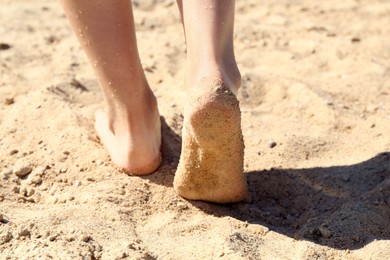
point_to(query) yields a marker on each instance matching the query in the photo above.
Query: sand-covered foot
(137, 150)
(211, 161)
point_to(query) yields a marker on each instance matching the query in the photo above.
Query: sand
(212, 155)
(315, 108)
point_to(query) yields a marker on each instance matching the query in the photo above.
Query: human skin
(129, 125)
(211, 161)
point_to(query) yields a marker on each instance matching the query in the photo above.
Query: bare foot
(211, 161)
(132, 142)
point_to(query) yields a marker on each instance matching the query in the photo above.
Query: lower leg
(129, 127)
(208, 27)
(211, 160)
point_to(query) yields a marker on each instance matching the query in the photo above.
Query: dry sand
(315, 105)
(211, 165)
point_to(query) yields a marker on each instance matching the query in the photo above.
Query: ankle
(133, 114)
(227, 71)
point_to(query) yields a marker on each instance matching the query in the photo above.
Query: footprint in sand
(211, 161)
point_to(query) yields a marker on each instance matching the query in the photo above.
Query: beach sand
(315, 109)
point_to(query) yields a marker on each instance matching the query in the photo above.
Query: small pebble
(23, 191)
(24, 232)
(329, 102)
(66, 152)
(345, 178)
(36, 180)
(51, 39)
(15, 189)
(15, 179)
(52, 238)
(99, 162)
(63, 170)
(85, 238)
(38, 171)
(14, 151)
(123, 255)
(5, 238)
(77, 183)
(47, 234)
(1, 217)
(43, 187)
(63, 158)
(271, 143)
(4, 46)
(22, 168)
(53, 190)
(355, 39)
(30, 192)
(181, 205)
(70, 238)
(325, 232)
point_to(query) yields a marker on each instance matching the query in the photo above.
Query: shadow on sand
(170, 148)
(344, 207)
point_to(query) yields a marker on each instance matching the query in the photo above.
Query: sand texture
(315, 117)
(212, 156)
